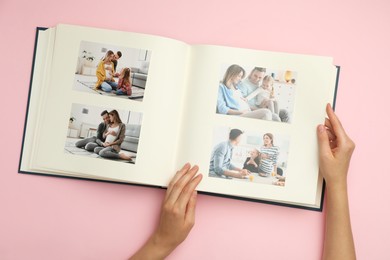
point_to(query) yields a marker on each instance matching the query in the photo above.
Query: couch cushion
(130, 139)
(132, 130)
(140, 76)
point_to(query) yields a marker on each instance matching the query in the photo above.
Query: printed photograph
(105, 133)
(256, 92)
(249, 156)
(112, 70)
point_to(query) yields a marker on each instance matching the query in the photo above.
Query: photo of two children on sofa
(103, 133)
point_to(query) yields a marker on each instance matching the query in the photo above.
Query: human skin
(335, 150)
(177, 215)
(256, 76)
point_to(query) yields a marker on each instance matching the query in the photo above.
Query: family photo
(251, 156)
(104, 133)
(112, 70)
(257, 92)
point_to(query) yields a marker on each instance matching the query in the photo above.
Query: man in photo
(91, 143)
(117, 56)
(230, 100)
(220, 162)
(252, 83)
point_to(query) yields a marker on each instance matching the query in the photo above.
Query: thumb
(323, 141)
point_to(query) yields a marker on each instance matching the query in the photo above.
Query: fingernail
(321, 128)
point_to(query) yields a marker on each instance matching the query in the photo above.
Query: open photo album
(133, 108)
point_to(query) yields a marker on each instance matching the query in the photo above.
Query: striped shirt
(267, 165)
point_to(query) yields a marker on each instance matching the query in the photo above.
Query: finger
(331, 135)
(323, 142)
(328, 124)
(333, 145)
(175, 178)
(335, 122)
(185, 196)
(191, 206)
(178, 187)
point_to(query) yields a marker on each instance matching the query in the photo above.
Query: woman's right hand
(177, 215)
(264, 156)
(335, 149)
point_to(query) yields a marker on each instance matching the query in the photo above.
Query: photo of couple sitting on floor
(249, 156)
(262, 94)
(103, 133)
(111, 70)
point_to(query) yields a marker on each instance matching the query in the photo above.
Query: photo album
(134, 108)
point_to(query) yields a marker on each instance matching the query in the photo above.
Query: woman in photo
(269, 156)
(230, 100)
(105, 73)
(124, 83)
(114, 136)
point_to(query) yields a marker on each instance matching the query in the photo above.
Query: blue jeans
(120, 92)
(108, 86)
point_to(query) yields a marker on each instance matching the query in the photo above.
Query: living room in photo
(110, 70)
(247, 155)
(257, 92)
(106, 133)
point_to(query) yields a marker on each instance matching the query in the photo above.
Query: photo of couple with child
(261, 165)
(106, 71)
(111, 70)
(255, 96)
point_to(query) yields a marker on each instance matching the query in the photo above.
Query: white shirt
(108, 68)
(263, 95)
(242, 103)
(111, 138)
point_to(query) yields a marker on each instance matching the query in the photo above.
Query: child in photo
(252, 162)
(124, 83)
(266, 96)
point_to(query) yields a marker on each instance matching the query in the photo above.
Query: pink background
(55, 218)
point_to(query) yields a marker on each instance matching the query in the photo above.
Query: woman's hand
(106, 144)
(264, 156)
(335, 148)
(177, 215)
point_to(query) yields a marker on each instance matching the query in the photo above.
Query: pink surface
(55, 218)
